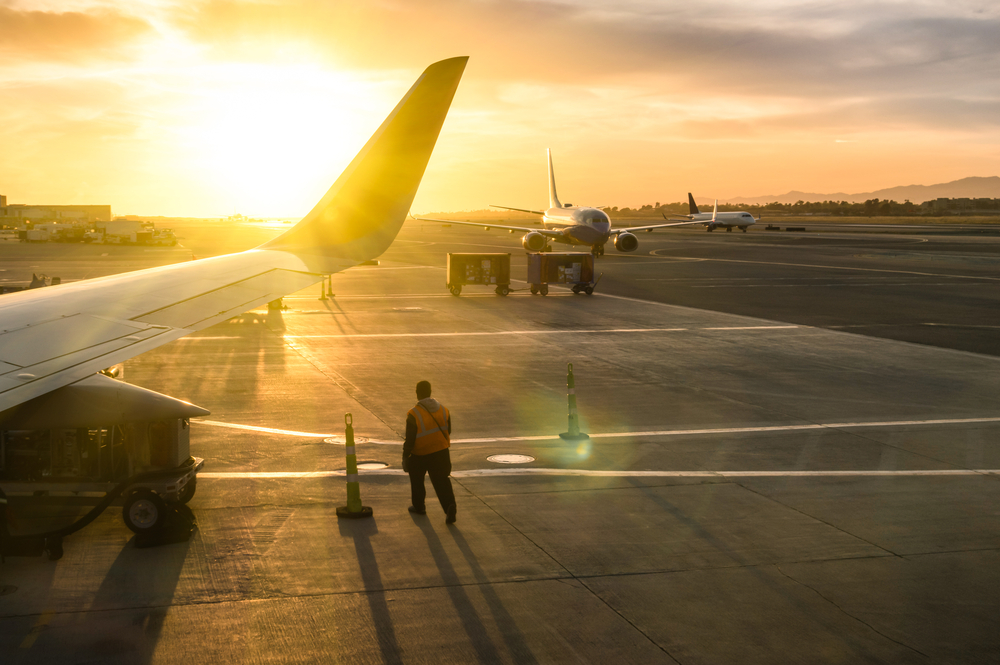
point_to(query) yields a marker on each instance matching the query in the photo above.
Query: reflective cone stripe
(353, 488)
(574, 420)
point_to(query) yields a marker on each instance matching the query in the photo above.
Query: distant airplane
(54, 341)
(569, 224)
(718, 219)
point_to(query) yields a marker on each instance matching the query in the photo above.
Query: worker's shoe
(452, 509)
(417, 511)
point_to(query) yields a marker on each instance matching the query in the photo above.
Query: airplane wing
(650, 227)
(488, 226)
(58, 335)
(533, 212)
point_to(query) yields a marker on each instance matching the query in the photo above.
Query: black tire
(54, 548)
(144, 512)
(187, 493)
(456, 290)
(744, 229)
(729, 229)
(544, 289)
(589, 290)
(503, 290)
(576, 288)
(534, 290)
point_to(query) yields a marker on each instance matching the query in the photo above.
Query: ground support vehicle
(571, 268)
(145, 465)
(486, 269)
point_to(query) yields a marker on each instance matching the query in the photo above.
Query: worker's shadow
(145, 579)
(486, 651)
(361, 532)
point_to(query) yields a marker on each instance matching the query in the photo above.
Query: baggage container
(575, 268)
(485, 269)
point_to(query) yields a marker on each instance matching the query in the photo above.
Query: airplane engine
(534, 242)
(626, 242)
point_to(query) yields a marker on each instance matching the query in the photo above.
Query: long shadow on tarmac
(508, 627)
(473, 625)
(361, 531)
(139, 578)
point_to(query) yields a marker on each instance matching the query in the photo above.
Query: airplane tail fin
(715, 210)
(692, 205)
(360, 215)
(553, 197)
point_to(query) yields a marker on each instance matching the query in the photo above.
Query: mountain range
(973, 188)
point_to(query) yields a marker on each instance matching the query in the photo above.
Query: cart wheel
(544, 289)
(576, 288)
(187, 493)
(503, 290)
(54, 547)
(589, 290)
(534, 290)
(144, 512)
(456, 290)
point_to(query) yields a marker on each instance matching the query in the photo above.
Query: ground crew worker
(428, 435)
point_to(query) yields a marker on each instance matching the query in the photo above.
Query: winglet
(693, 207)
(362, 212)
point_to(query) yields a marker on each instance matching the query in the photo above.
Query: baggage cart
(485, 269)
(572, 268)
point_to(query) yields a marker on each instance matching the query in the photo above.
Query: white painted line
(854, 268)
(538, 332)
(597, 473)
(754, 328)
(491, 333)
(620, 435)
(739, 430)
(269, 430)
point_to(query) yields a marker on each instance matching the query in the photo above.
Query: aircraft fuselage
(579, 225)
(725, 219)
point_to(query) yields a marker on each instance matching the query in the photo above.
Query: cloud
(814, 50)
(68, 37)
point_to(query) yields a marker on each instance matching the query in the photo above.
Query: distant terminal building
(22, 213)
(962, 205)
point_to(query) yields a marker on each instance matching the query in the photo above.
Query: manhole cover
(510, 459)
(7, 589)
(371, 466)
(342, 440)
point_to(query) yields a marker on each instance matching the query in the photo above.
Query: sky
(211, 108)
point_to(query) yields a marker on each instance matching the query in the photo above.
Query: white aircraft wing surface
(650, 227)
(58, 335)
(487, 226)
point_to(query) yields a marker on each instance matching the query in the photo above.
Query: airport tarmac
(777, 470)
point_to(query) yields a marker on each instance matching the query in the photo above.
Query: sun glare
(269, 136)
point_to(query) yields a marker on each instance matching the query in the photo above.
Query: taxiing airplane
(54, 341)
(569, 224)
(717, 219)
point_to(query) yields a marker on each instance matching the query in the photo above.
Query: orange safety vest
(432, 429)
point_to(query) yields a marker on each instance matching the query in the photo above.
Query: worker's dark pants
(438, 466)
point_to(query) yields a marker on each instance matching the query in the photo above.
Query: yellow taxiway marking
(598, 473)
(36, 630)
(621, 435)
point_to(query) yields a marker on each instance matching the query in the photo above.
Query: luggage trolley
(576, 268)
(485, 269)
